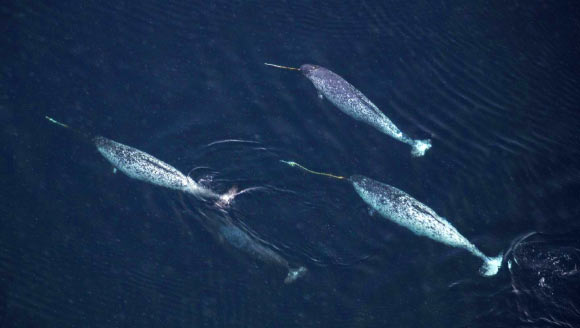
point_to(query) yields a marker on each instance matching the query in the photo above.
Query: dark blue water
(495, 85)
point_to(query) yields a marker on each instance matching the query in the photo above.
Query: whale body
(355, 104)
(142, 166)
(399, 207)
(242, 241)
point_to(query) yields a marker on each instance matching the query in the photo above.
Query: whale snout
(308, 69)
(358, 180)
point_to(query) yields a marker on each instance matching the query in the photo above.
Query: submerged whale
(228, 233)
(397, 206)
(241, 240)
(355, 104)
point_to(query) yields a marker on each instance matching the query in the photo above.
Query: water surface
(494, 85)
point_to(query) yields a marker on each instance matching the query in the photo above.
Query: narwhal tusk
(52, 120)
(294, 164)
(283, 67)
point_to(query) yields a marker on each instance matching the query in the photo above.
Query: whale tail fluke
(420, 147)
(491, 266)
(294, 274)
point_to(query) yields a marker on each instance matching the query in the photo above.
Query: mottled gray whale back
(142, 166)
(355, 104)
(139, 165)
(399, 207)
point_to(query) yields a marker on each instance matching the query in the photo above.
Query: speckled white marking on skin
(142, 166)
(355, 104)
(399, 207)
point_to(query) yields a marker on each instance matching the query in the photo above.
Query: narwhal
(399, 207)
(139, 165)
(355, 104)
(228, 233)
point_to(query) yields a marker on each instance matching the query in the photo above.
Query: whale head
(308, 69)
(359, 180)
(366, 187)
